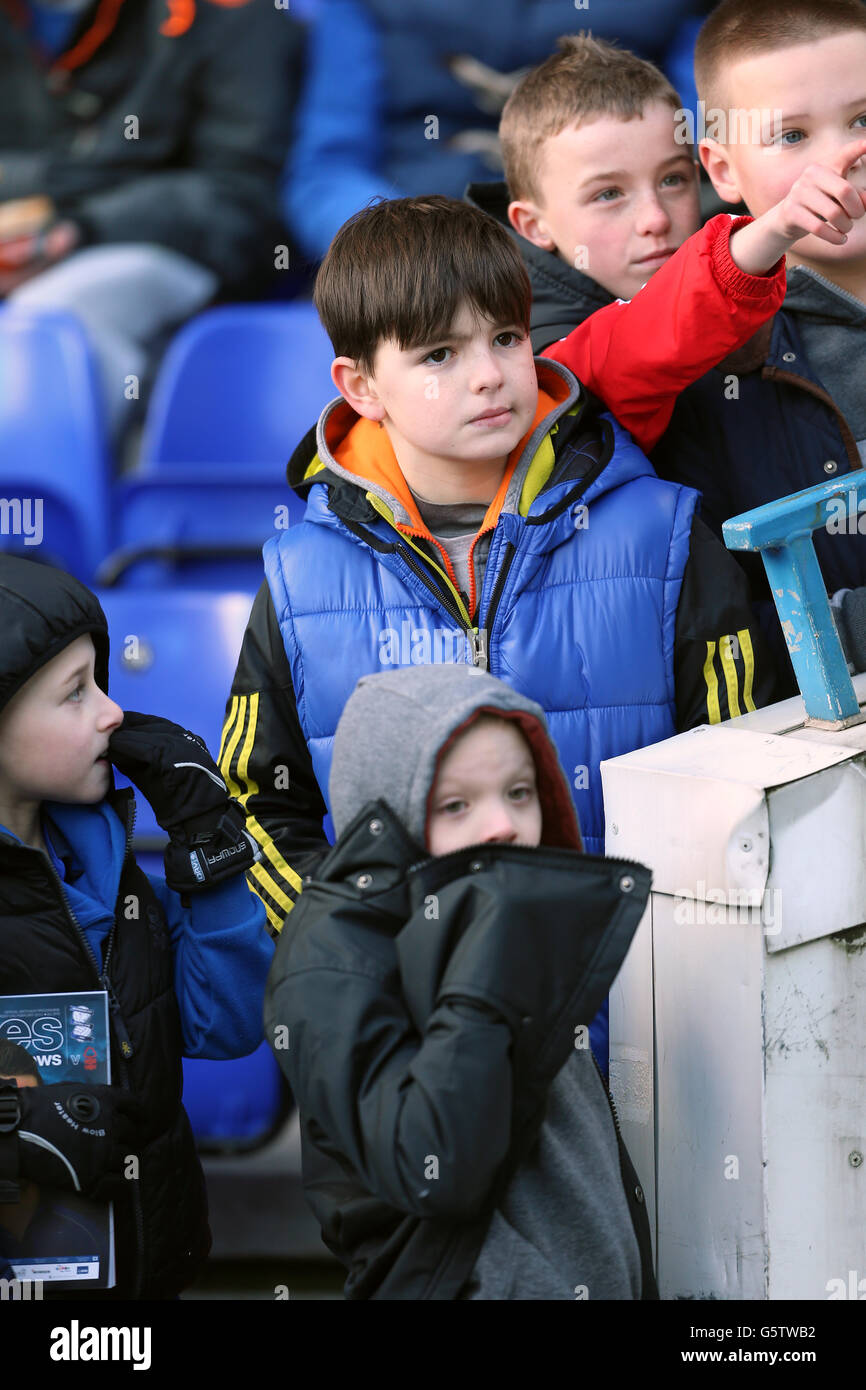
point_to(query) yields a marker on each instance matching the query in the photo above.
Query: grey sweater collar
(812, 294)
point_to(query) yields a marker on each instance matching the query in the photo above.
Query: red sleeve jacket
(638, 355)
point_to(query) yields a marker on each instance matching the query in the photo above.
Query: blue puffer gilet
(584, 624)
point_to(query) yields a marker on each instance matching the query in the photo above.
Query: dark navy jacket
(180, 981)
(758, 427)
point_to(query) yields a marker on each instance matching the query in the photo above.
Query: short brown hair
(586, 77)
(403, 268)
(739, 29)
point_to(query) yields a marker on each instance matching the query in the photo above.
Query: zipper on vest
(120, 1030)
(477, 636)
(137, 1209)
(510, 552)
(451, 608)
(478, 640)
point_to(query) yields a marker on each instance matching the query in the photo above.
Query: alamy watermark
(708, 907)
(21, 1290)
(846, 516)
(22, 516)
(77, 1343)
(418, 646)
(736, 125)
(854, 1287)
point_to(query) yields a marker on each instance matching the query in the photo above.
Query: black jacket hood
(42, 610)
(562, 297)
(403, 981)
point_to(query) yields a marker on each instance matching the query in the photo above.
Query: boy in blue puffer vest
(183, 961)
(468, 503)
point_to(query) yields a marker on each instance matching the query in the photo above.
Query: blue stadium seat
(205, 534)
(174, 653)
(238, 388)
(54, 461)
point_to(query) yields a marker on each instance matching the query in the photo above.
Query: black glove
(848, 607)
(77, 1137)
(209, 840)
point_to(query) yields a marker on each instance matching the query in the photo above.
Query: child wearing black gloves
(429, 1002)
(184, 961)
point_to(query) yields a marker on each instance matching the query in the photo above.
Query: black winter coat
(161, 1230)
(761, 426)
(420, 1008)
(161, 133)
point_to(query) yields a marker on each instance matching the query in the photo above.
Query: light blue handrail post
(782, 532)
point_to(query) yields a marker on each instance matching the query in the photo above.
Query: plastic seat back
(237, 390)
(54, 463)
(182, 530)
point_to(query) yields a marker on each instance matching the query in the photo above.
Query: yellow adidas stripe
(264, 874)
(745, 640)
(263, 888)
(230, 742)
(227, 726)
(730, 674)
(243, 787)
(232, 731)
(243, 764)
(712, 686)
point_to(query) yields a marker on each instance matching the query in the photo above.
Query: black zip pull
(126, 1047)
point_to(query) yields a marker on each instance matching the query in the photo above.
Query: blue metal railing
(782, 532)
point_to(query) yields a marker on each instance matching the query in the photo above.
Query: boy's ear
(716, 161)
(529, 222)
(357, 388)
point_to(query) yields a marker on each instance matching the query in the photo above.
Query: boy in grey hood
(429, 1001)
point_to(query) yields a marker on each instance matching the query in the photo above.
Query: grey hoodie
(397, 724)
(832, 323)
(562, 1230)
